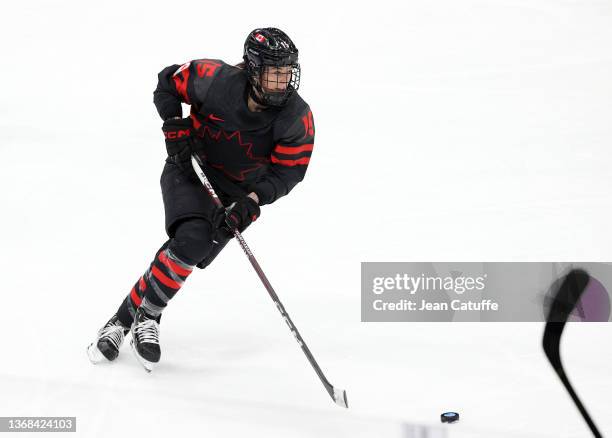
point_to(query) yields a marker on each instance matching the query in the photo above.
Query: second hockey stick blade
(563, 304)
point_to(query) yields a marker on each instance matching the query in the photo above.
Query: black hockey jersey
(266, 152)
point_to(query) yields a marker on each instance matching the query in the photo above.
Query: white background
(446, 131)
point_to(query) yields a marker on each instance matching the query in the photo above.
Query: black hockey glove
(241, 213)
(179, 135)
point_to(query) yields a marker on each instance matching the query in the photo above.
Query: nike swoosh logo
(213, 117)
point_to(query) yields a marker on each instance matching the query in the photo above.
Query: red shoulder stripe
(180, 82)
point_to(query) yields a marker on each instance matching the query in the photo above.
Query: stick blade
(568, 295)
(340, 397)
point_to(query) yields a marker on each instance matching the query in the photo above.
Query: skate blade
(94, 354)
(148, 366)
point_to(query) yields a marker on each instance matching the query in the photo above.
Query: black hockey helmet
(268, 48)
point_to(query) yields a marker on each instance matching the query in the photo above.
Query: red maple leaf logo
(245, 151)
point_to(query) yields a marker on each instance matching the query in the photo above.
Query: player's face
(276, 79)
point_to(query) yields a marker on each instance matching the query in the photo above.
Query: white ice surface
(446, 131)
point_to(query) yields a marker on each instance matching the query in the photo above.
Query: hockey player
(255, 136)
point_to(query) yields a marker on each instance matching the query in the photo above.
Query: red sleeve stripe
(292, 150)
(304, 160)
(180, 82)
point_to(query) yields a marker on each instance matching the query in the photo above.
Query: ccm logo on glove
(177, 134)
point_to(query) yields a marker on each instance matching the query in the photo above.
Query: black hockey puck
(449, 417)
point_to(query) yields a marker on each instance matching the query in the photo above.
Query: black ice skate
(145, 339)
(109, 340)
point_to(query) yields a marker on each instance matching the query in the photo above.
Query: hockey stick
(338, 395)
(562, 306)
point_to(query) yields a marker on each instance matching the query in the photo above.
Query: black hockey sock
(156, 287)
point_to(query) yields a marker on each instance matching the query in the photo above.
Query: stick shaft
(262, 276)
